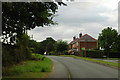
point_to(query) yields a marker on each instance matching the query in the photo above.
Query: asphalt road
(68, 67)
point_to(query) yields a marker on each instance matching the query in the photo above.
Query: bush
(114, 54)
(93, 53)
(8, 55)
(12, 54)
(52, 53)
(99, 54)
(29, 66)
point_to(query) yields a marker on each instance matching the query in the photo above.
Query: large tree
(61, 46)
(107, 39)
(43, 46)
(17, 17)
(117, 44)
(48, 45)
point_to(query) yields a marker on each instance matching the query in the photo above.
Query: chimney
(74, 38)
(80, 35)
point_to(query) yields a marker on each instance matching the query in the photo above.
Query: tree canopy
(48, 45)
(43, 46)
(61, 46)
(107, 39)
(17, 17)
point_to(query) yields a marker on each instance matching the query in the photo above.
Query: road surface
(69, 67)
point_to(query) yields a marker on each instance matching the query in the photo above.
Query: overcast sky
(80, 16)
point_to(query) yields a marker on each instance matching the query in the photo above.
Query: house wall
(88, 45)
(70, 46)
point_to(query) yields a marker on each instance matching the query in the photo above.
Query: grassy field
(29, 69)
(112, 64)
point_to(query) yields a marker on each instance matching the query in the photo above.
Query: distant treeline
(22, 50)
(43, 46)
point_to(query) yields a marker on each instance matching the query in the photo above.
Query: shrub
(52, 53)
(12, 54)
(93, 53)
(99, 54)
(114, 54)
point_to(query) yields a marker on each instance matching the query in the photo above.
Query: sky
(80, 16)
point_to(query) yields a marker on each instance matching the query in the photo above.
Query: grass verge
(111, 64)
(29, 69)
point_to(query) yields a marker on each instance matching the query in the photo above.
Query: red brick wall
(88, 45)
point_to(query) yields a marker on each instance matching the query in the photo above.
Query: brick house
(83, 42)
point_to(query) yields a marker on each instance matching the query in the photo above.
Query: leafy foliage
(117, 44)
(43, 46)
(107, 39)
(94, 53)
(12, 54)
(48, 45)
(22, 16)
(28, 66)
(17, 18)
(61, 46)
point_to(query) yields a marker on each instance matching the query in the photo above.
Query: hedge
(114, 54)
(99, 54)
(93, 53)
(14, 54)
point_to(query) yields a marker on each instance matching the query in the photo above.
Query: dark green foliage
(17, 18)
(114, 54)
(22, 16)
(12, 54)
(43, 46)
(7, 58)
(52, 53)
(34, 66)
(33, 46)
(61, 46)
(117, 44)
(108, 40)
(99, 54)
(47, 45)
(93, 53)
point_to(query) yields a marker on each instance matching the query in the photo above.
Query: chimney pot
(74, 38)
(80, 35)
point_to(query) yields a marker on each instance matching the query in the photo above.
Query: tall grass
(34, 66)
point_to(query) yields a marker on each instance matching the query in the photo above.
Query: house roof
(74, 41)
(84, 38)
(87, 38)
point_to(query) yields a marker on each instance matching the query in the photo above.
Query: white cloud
(86, 17)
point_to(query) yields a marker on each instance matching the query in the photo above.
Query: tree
(48, 44)
(40, 47)
(61, 46)
(17, 17)
(107, 39)
(117, 44)
(33, 45)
